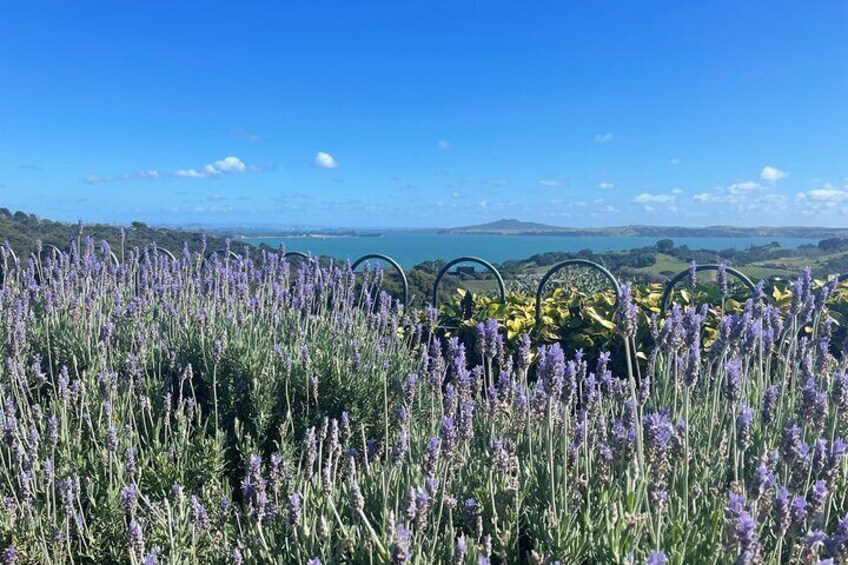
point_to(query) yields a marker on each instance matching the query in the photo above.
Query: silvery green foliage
(245, 411)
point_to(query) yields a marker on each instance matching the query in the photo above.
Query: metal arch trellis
(228, 254)
(467, 259)
(391, 262)
(4, 267)
(159, 250)
(669, 287)
(301, 254)
(568, 263)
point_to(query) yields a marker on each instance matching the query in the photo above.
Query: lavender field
(249, 410)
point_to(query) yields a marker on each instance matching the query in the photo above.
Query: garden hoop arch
(698, 268)
(4, 263)
(396, 267)
(227, 253)
(301, 254)
(467, 259)
(568, 263)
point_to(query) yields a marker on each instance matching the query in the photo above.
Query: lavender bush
(246, 412)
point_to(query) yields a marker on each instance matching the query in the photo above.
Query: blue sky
(378, 114)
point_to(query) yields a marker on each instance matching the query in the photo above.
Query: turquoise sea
(410, 249)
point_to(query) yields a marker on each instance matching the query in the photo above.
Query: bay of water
(410, 249)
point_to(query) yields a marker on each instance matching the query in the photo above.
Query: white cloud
(677, 191)
(772, 174)
(604, 137)
(443, 144)
(742, 187)
(647, 198)
(606, 185)
(483, 203)
(828, 193)
(550, 183)
(709, 197)
(226, 166)
(190, 174)
(139, 175)
(675, 161)
(325, 161)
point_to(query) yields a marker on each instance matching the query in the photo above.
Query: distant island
(518, 227)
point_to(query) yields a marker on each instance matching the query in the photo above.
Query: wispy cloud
(828, 193)
(324, 160)
(674, 161)
(443, 144)
(247, 136)
(650, 201)
(648, 198)
(226, 166)
(604, 137)
(606, 185)
(550, 183)
(743, 187)
(772, 174)
(138, 175)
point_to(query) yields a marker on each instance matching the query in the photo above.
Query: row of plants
(245, 411)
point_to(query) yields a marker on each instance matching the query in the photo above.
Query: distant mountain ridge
(518, 227)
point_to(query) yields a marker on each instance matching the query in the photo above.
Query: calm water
(409, 249)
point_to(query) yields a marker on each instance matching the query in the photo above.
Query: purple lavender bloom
(658, 432)
(798, 511)
(112, 439)
(790, 442)
(743, 427)
(748, 539)
(357, 501)
(523, 358)
(769, 404)
(656, 558)
(721, 278)
(129, 496)
(199, 516)
(53, 430)
(136, 538)
(448, 434)
(460, 549)
(10, 555)
(782, 510)
(764, 480)
(400, 545)
(152, 557)
(431, 455)
(626, 314)
(818, 497)
(693, 364)
(693, 276)
(294, 509)
(733, 380)
(839, 391)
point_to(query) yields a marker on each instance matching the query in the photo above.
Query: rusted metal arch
(491, 268)
(568, 263)
(391, 262)
(669, 287)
